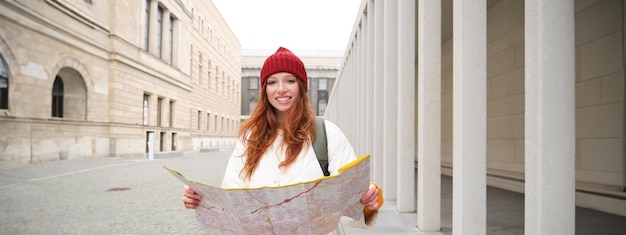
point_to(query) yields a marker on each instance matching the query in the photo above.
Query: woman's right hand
(190, 198)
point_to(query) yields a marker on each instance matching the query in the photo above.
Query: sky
(294, 24)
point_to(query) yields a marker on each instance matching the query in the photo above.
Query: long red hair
(259, 132)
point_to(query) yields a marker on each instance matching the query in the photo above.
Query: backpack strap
(320, 146)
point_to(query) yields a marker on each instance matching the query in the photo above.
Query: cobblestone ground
(104, 196)
(139, 196)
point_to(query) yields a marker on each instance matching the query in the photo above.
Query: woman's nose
(282, 86)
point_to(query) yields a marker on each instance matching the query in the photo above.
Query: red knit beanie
(283, 60)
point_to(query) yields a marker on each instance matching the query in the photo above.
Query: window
(200, 62)
(251, 105)
(238, 93)
(215, 123)
(210, 122)
(4, 85)
(323, 84)
(146, 106)
(172, 113)
(321, 107)
(170, 41)
(208, 118)
(222, 124)
(224, 88)
(159, 29)
(200, 24)
(162, 141)
(208, 78)
(228, 91)
(209, 34)
(146, 18)
(173, 141)
(322, 101)
(217, 70)
(191, 65)
(57, 97)
(159, 110)
(217, 41)
(199, 119)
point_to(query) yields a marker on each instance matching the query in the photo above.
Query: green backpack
(320, 146)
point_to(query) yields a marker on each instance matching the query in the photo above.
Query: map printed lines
(288, 199)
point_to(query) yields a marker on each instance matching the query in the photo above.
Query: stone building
(322, 68)
(83, 78)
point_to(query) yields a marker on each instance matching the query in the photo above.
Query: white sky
(294, 24)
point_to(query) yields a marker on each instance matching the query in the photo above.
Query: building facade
(526, 96)
(322, 68)
(82, 78)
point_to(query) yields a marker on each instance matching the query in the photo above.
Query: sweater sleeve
(235, 164)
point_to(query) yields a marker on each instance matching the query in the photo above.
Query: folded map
(313, 207)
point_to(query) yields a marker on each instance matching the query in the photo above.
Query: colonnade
(387, 100)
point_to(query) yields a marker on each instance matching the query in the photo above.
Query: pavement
(138, 196)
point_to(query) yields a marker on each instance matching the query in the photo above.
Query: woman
(275, 146)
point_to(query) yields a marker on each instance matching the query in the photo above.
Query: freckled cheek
(269, 92)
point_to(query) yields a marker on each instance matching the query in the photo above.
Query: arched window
(4, 85)
(57, 97)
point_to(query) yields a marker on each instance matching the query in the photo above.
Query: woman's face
(282, 91)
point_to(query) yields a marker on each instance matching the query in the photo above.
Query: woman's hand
(370, 198)
(190, 198)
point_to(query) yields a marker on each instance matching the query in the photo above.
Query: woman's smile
(283, 99)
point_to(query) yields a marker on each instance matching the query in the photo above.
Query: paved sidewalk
(138, 196)
(104, 195)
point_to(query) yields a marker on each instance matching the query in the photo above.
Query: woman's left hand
(370, 198)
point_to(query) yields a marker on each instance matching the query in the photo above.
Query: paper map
(313, 207)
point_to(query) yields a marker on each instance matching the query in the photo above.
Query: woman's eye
(291, 81)
(270, 82)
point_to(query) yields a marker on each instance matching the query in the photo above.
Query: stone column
(351, 106)
(406, 106)
(370, 99)
(356, 71)
(549, 118)
(429, 116)
(153, 24)
(362, 76)
(469, 116)
(390, 94)
(379, 51)
(353, 92)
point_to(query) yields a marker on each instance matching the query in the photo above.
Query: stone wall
(99, 53)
